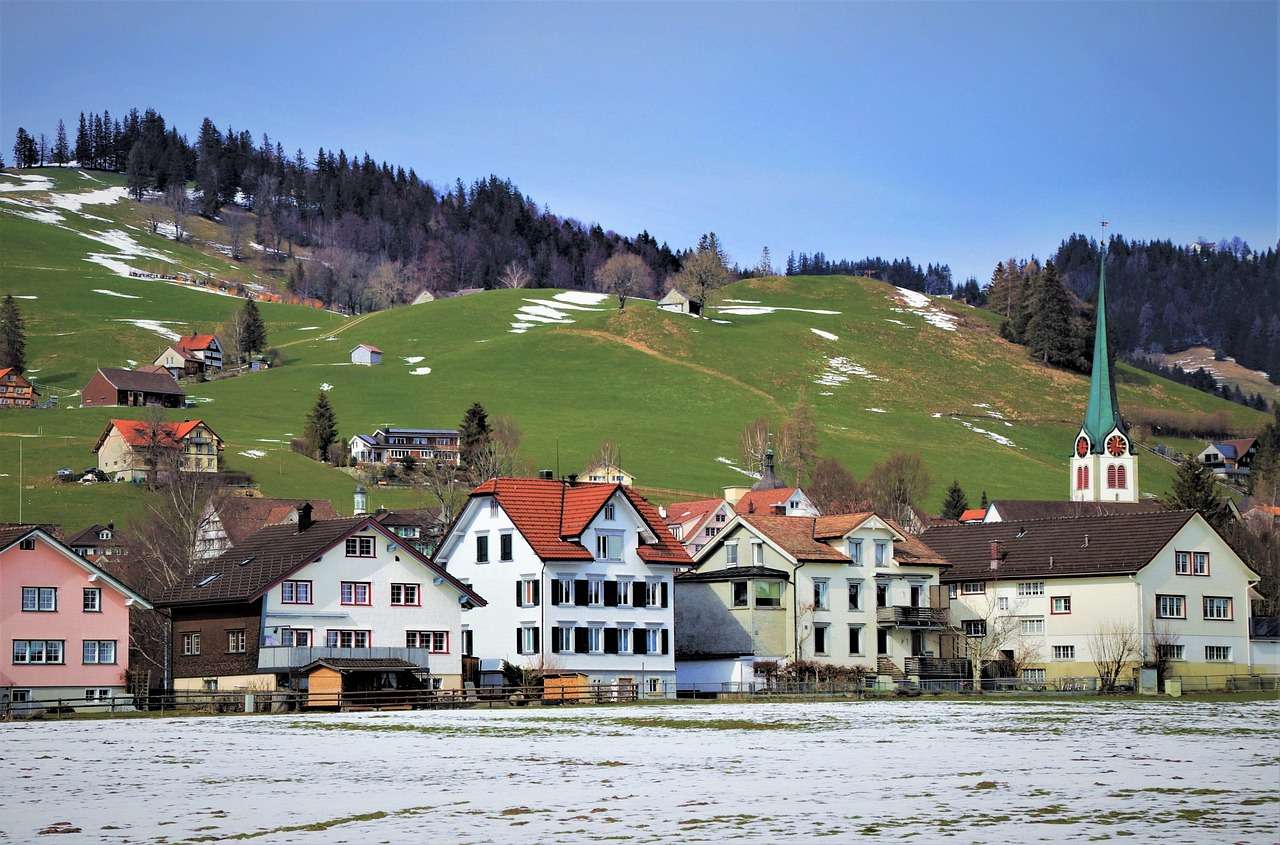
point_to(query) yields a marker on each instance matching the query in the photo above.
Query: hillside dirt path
(350, 324)
(650, 351)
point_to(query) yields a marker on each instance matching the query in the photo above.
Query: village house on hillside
(1043, 591)
(205, 348)
(16, 390)
(393, 445)
(228, 521)
(850, 590)
(607, 473)
(578, 576)
(133, 388)
(130, 450)
(1230, 458)
(677, 303)
(64, 623)
(366, 354)
(177, 363)
(342, 597)
(99, 542)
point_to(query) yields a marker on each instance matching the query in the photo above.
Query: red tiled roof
(684, 511)
(973, 515)
(762, 501)
(549, 513)
(839, 524)
(138, 433)
(794, 535)
(194, 342)
(369, 346)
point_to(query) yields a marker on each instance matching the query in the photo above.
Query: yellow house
(128, 450)
(849, 590)
(1051, 597)
(608, 473)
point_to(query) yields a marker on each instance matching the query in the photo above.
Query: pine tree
(83, 150)
(1195, 489)
(955, 503)
(254, 335)
(13, 336)
(136, 171)
(61, 153)
(1049, 327)
(985, 502)
(475, 433)
(766, 262)
(322, 427)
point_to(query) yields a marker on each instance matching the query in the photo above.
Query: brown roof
(794, 535)
(251, 568)
(551, 515)
(839, 524)
(241, 516)
(762, 501)
(1099, 545)
(147, 382)
(732, 573)
(1017, 510)
(361, 664)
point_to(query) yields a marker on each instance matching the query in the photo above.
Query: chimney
(360, 501)
(304, 516)
(546, 474)
(111, 526)
(995, 555)
(734, 493)
(572, 479)
(1086, 542)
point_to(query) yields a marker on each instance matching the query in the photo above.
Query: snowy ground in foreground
(1160, 771)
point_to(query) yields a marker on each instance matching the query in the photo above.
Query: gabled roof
(762, 501)
(1100, 545)
(248, 570)
(89, 536)
(4, 371)
(973, 515)
(361, 664)
(681, 512)
(426, 518)
(13, 534)
(794, 535)
(368, 346)
(733, 573)
(839, 524)
(673, 297)
(140, 433)
(194, 342)
(1018, 510)
(1233, 449)
(551, 515)
(242, 516)
(184, 354)
(139, 380)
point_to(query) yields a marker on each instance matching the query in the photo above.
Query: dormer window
(609, 512)
(104, 535)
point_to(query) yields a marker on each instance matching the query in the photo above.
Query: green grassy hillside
(673, 391)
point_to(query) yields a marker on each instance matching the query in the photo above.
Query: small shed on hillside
(366, 354)
(677, 302)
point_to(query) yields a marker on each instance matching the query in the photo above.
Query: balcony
(912, 617)
(284, 658)
(936, 667)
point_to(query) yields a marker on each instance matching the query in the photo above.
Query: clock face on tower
(1082, 447)
(1115, 445)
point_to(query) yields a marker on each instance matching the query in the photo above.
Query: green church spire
(1103, 414)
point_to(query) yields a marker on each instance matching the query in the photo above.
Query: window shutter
(580, 641)
(639, 641)
(610, 640)
(537, 592)
(536, 634)
(519, 592)
(610, 593)
(664, 600)
(518, 643)
(580, 591)
(638, 594)
(664, 638)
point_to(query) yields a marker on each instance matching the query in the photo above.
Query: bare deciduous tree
(179, 205)
(608, 454)
(499, 455)
(448, 488)
(896, 484)
(833, 489)
(988, 632)
(798, 442)
(515, 275)
(701, 275)
(1113, 646)
(235, 232)
(1162, 643)
(624, 275)
(753, 443)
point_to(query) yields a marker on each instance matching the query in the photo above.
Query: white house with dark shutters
(580, 577)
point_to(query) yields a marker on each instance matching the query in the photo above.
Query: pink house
(64, 622)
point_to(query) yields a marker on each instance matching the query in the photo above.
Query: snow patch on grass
(758, 310)
(876, 410)
(420, 371)
(108, 292)
(991, 435)
(413, 359)
(28, 182)
(731, 465)
(75, 202)
(837, 371)
(563, 306)
(159, 327)
(326, 386)
(31, 211)
(306, 328)
(922, 306)
(581, 297)
(254, 453)
(822, 334)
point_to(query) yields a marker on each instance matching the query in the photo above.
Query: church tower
(1104, 467)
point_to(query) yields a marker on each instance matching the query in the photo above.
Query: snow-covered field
(928, 771)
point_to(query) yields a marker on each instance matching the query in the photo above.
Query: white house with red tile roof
(205, 348)
(696, 522)
(129, 450)
(578, 576)
(366, 354)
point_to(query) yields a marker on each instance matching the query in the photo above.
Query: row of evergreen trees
(1040, 313)
(934, 279)
(1200, 379)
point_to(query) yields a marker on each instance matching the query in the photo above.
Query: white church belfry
(1104, 467)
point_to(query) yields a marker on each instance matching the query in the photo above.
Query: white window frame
(854, 591)
(1217, 654)
(757, 553)
(1171, 606)
(1030, 588)
(882, 555)
(825, 628)
(1064, 652)
(1032, 627)
(191, 644)
(595, 639)
(595, 592)
(821, 594)
(731, 553)
(624, 639)
(854, 550)
(973, 588)
(607, 542)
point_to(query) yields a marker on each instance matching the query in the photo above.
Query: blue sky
(957, 132)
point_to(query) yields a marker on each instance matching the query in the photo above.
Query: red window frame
(368, 637)
(1122, 477)
(1053, 599)
(373, 546)
(368, 594)
(417, 594)
(311, 592)
(1082, 478)
(1111, 476)
(428, 640)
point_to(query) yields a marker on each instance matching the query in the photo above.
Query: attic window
(27, 544)
(246, 561)
(209, 579)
